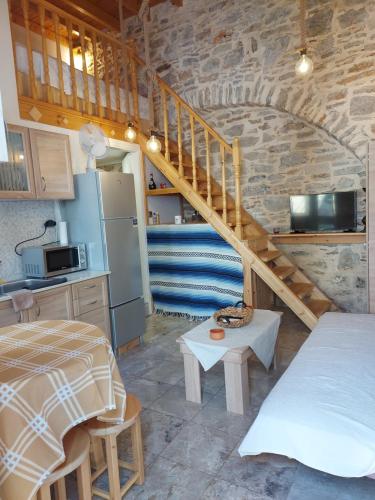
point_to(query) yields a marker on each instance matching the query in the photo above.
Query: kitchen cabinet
(52, 304)
(90, 303)
(52, 165)
(89, 295)
(98, 317)
(16, 174)
(85, 301)
(38, 167)
(8, 316)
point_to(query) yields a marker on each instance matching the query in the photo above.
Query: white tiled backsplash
(20, 220)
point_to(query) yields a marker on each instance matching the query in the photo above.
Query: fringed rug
(193, 271)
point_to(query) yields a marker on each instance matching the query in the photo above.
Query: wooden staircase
(253, 243)
(198, 162)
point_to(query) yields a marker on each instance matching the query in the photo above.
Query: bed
(322, 410)
(23, 67)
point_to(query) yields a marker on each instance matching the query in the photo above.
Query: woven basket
(234, 316)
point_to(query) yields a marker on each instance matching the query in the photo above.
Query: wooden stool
(76, 448)
(109, 432)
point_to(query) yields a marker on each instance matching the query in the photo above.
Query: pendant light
(153, 144)
(130, 133)
(304, 66)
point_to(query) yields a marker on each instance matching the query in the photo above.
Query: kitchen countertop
(71, 278)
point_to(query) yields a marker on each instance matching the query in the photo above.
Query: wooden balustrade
(72, 68)
(193, 154)
(91, 57)
(165, 121)
(42, 17)
(104, 77)
(208, 168)
(179, 139)
(223, 183)
(98, 98)
(237, 177)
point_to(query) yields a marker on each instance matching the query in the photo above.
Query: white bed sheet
(23, 67)
(322, 410)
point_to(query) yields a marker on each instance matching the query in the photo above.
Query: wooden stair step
(185, 164)
(302, 290)
(190, 178)
(269, 255)
(283, 272)
(258, 243)
(219, 206)
(319, 307)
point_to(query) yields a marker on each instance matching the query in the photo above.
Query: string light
(130, 133)
(153, 144)
(304, 66)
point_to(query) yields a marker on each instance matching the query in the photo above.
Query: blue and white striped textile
(193, 271)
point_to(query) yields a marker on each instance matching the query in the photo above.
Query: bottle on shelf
(152, 184)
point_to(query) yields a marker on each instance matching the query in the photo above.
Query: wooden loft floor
(105, 13)
(90, 75)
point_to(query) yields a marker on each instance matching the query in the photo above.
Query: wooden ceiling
(105, 13)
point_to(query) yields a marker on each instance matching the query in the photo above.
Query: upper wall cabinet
(52, 165)
(16, 175)
(39, 166)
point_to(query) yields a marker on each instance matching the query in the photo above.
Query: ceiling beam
(92, 11)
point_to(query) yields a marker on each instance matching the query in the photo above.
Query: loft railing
(63, 61)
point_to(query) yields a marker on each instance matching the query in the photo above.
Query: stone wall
(234, 63)
(218, 53)
(282, 155)
(339, 270)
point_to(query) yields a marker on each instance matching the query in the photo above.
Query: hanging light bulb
(153, 144)
(130, 133)
(304, 65)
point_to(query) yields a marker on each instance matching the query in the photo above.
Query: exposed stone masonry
(234, 62)
(252, 61)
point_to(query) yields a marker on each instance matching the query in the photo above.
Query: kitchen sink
(30, 284)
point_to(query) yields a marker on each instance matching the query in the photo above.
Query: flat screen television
(324, 212)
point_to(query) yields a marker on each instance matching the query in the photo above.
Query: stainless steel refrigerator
(103, 215)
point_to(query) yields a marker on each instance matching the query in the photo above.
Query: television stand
(318, 238)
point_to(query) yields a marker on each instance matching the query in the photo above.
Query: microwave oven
(52, 260)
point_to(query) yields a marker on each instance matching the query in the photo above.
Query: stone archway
(302, 103)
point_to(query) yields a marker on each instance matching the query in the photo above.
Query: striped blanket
(193, 271)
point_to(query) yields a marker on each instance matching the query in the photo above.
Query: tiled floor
(190, 449)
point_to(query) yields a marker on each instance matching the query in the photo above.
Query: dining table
(54, 375)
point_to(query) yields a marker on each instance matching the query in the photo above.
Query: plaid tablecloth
(53, 375)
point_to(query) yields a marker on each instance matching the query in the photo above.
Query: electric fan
(93, 142)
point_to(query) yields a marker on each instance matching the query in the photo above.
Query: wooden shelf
(162, 192)
(318, 238)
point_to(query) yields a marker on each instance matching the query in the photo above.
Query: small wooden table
(235, 370)
(236, 377)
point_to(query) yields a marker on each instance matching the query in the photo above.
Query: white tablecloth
(260, 335)
(322, 410)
